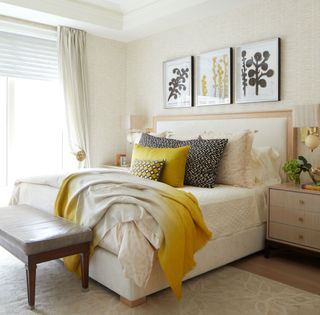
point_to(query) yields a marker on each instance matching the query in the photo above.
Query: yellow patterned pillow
(149, 169)
(175, 158)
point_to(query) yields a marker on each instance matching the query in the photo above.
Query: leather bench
(35, 236)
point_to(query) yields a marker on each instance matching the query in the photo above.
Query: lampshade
(133, 122)
(305, 116)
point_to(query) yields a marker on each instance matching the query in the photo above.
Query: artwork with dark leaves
(177, 82)
(258, 70)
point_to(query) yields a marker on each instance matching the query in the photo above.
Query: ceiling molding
(66, 9)
(122, 20)
(157, 10)
(109, 5)
(123, 6)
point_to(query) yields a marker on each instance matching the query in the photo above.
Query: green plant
(294, 168)
(293, 171)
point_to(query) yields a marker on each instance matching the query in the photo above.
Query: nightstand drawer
(294, 201)
(295, 235)
(299, 218)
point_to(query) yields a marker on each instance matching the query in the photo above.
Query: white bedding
(226, 209)
(229, 209)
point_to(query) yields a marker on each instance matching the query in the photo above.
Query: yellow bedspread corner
(182, 239)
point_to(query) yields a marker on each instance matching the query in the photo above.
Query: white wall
(127, 78)
(296, 22)
(106, 84)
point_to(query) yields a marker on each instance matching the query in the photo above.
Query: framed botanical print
(258, 71)
(214, 77)
(178, 82)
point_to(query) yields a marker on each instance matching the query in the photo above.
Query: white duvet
(226, 210)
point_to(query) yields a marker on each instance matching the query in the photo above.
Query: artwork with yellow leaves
(214, 77)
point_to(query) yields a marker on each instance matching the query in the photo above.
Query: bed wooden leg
(133, 303)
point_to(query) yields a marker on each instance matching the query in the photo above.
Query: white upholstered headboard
(274, 128)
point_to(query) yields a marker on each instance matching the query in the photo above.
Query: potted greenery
(294, 168)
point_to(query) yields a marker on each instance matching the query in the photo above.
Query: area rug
(224, 291)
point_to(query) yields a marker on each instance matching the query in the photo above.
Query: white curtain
(73, 76)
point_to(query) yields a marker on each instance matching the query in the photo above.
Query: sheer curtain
(73, 76)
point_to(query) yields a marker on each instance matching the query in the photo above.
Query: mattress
(226, 209)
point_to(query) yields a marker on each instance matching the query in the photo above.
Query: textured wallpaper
(127, 78)
(106, 84)
(296, 22)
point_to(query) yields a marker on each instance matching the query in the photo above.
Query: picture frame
(178, 82)
(258, 71)
(214, 77)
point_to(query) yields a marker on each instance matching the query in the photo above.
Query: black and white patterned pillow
(203, 158)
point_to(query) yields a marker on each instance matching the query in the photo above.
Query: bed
(235, 215)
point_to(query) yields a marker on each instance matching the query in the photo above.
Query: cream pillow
(266, 165)
(235, 167)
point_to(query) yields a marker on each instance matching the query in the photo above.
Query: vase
(314, 173)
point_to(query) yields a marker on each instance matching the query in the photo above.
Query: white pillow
(137, 135)
(163, 134)
(235, 167)
(184, 137)
(266, 165)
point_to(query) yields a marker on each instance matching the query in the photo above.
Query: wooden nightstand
(293, 218)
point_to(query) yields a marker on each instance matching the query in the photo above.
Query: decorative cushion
(235, 168)
(203, 158)
(266, 164)
(175, 161)
(148, 169)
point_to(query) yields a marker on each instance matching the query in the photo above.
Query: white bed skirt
(106, 269)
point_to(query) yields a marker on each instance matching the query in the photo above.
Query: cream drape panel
(73, 76)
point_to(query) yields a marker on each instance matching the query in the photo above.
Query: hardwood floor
(297, 270)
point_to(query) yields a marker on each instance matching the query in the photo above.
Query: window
(31, 113)
(3, 132)
(34, 127)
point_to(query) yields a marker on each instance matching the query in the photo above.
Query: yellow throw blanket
(85, 198)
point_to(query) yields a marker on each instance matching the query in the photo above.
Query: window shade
(28, 57)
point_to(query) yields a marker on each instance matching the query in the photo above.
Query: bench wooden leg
(85, 269)
(31, 283)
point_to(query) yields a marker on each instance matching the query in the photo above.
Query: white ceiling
(122, 6)
(123, 20)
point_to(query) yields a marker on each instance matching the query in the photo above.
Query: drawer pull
(300, 219)
(301, 237)
(301, 202)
